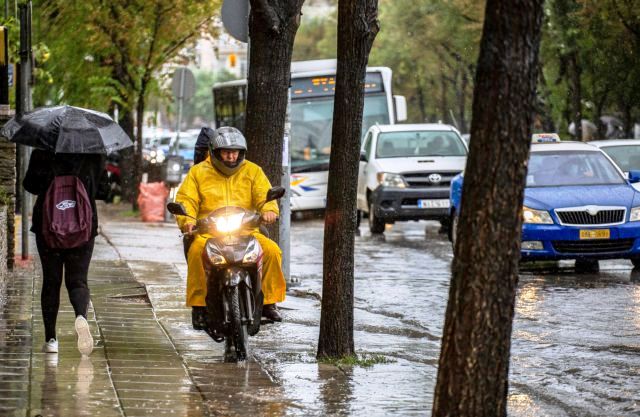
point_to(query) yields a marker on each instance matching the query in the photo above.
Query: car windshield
(187, 142)
(311, 124)
(419, 143)
(626, 156)
(560, 168)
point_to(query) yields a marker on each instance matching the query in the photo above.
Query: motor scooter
(232, 260)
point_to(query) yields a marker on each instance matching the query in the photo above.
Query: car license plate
(428, 204)
(595, 234)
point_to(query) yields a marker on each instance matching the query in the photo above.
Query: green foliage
(5, 197)
(112, 52)
(199, 110)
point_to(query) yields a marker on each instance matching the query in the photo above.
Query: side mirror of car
(363, 157)
(177, 209)
(275, 193)
(634, 177)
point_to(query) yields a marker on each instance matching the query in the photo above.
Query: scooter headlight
(252, 254)
(231, 223)
(214, 257)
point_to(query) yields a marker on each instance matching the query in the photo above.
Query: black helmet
(227, 138)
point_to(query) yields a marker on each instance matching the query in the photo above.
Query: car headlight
(231, 223)
(387, 179)
(536, 216)
(635, 214)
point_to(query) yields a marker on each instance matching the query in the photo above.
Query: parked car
(624, 152)
(578, 205)
(405, 172)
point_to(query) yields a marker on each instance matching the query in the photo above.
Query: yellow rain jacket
(206, 189)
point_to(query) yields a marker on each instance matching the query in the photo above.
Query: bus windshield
(311, 122)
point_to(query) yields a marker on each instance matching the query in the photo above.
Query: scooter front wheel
(239, 335)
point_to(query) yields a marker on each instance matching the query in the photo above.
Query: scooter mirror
(275, 193)
(177, 209)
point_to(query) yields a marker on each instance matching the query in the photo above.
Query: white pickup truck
(405, 172)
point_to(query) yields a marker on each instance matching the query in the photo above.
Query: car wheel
(587, 265)
(376, 226)
(635, 262)
(453, 230)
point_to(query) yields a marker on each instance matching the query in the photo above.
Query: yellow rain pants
(206, 189)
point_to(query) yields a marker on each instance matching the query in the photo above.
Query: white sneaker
(85, 340)
(51, 346)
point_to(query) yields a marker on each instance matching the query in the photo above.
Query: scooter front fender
(234, 276)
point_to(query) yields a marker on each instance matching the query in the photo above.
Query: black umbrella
(67, 129)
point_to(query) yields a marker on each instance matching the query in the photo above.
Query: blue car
(577, 205)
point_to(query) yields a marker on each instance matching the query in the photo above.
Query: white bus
(311, 116)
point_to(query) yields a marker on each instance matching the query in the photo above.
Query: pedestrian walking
(67, 173)
(65, 251)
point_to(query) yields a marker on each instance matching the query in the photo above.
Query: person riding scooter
(226, 178)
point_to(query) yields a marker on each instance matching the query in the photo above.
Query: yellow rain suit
(206, 189)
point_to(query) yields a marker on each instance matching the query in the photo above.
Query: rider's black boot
(199, 318)
(270, 311)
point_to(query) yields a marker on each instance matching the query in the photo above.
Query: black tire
(238, 331)
(358, 218)
(587, 265)
(254, 328)
(635, 262)
(453, 230)
(376, 226)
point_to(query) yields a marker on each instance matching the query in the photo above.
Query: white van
(405, 172)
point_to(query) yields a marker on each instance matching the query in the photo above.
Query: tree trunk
(474, 360)
(462, 102)
(575, 94)
(357, 28)
(272, 29)
(444, 104)
(137, 146)
(127, 178)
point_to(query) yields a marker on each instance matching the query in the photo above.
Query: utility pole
(23, 105)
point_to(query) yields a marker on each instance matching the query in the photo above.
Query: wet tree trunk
(474, 360)
(272, 29)
(358, 26)
(128, 183)
(575, 92)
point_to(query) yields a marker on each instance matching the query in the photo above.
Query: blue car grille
(592, 246)
(581, 217)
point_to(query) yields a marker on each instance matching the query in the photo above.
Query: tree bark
(272, 29)
(575, 92)
(358, 26)
(474, 360)
(127, 160)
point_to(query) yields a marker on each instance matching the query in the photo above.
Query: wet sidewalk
(148, 361)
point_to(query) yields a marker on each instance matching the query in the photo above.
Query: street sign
(235, 18)
(183, 85)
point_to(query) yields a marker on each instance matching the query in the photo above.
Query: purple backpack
(67, 214)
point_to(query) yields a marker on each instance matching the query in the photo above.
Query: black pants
(75, 264)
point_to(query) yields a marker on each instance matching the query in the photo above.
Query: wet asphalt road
(575, 345)
(576, 336)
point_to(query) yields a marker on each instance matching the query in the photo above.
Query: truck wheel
(587, 265)
(376, 226)
(453, 230)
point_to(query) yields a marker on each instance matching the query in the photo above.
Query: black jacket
(43, 166)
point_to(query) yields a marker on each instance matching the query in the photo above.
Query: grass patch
(363, 360)
(130, 213)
